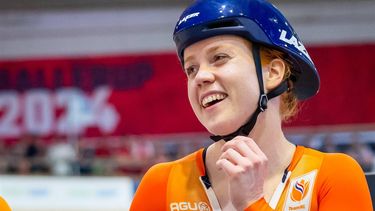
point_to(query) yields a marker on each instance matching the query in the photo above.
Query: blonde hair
(288, 100)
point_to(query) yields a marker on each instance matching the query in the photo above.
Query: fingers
(245, 146)
(237, 159)
(246, 167)
(228, 167)
(240, 155)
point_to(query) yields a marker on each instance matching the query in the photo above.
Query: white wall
(43, 193)
(73, 33)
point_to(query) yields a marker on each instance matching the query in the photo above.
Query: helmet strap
(245, 129)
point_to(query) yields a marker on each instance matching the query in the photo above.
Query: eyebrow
(209, 51)
(188, 58)
(213, 49)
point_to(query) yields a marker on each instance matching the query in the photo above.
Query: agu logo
(300, 189)
(189, 206)
(202, 206)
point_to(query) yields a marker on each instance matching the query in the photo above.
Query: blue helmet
(255, 20)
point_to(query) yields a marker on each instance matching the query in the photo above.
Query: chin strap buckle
(263, 100)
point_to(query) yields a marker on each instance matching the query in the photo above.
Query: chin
(222, 128)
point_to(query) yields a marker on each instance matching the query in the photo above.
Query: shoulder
(158, 174)
(157, 179)
(340, 163)
(333, 162)
(340, 177)
(4, 205)
(162, 170)
(338, 169)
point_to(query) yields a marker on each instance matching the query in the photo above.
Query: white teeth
(207, 100)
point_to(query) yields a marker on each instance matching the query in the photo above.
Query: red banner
(146, 94)
(347, 93)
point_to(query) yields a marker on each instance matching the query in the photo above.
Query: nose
(204, 76)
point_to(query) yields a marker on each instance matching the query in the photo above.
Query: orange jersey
(4, 205)
(315, 181)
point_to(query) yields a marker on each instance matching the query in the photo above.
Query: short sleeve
(151, 192)
(343, 185)
(4, 205)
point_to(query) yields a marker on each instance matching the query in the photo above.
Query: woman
(246, 68)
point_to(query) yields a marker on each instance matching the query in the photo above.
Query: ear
(273, 73)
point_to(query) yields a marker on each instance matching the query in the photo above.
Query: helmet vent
(222, 24)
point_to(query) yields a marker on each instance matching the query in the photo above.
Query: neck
(278, 150)
(269, 137)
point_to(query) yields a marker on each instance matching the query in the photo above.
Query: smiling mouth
(212, 100)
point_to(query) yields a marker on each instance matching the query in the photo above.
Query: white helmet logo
(295, 42)
(184, 19)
